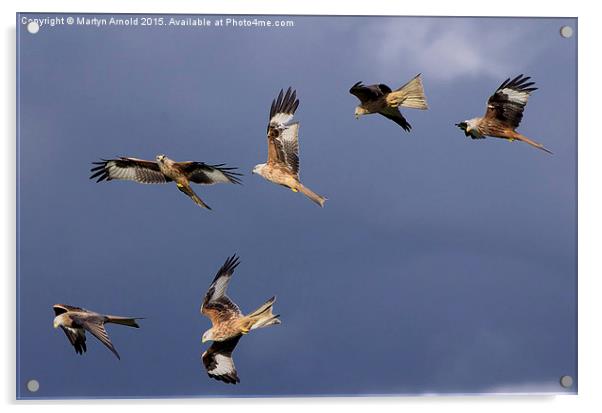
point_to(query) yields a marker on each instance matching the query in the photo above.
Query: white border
(590, 207)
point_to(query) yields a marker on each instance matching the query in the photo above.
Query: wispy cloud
(445, 49)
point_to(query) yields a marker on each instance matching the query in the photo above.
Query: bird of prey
(282, 166)
(165, 170)
(229, 324)
(75, 321)
(381, 99)
(504, 113)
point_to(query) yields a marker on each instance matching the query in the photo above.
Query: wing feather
(205, 174)
(218, 360)
(283, 137)
(286, 144)
(395, 115)
(95, 325)
(369, 93)
(63, 308)
(77, 338)
(507, 104)
(283, 107)
(128, 169)
(290, 145)
(217, 306)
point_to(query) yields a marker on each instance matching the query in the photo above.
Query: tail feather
(411, 95)
(267, 306)
(532, 143)
(273, 320)
(188, 191)
(125, 321)
(263, 316)
(318, 199)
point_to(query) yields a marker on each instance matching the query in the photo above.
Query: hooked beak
(464, 127)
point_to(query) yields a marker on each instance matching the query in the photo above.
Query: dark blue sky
(439, 264)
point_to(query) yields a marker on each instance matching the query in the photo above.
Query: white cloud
(444, 49)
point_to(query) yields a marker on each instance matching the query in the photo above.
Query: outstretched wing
(395, 115)
(287, 146)
(128, 169)
(217, 306)
(369, 93)
(205, 174)
(95, 325)
(506, 105)
(77, 338)
(63, 308)
(283, 137)
(218, 360)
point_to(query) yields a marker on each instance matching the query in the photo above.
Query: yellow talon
(179, 185)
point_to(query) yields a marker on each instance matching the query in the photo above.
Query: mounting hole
(566, 382)
(33, 27)
(33, 385)
(566, 31)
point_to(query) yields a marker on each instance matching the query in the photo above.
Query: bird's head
(465, 127)
(359, 111)
(258, 169)
(161, 158)
(207, 336)
(56, 322)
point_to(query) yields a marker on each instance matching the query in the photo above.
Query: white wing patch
(223, 365)
(134, 173)
(220, 286)
(116, 172)
(516, 96)
(217, 177)
(290, 143)
(280, 119)
(290, 133)
(76, 331)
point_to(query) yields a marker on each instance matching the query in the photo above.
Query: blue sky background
(439, 264)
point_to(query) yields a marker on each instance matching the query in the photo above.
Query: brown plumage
(165, 170)
(75, 321)
(504, 113)
(282, 166)
(381, 99)
(228, 324)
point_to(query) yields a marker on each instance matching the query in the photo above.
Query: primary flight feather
(164, 170)
(384, 101)
(282, 166)
(229, 324)
(504, 113)
(75, 321)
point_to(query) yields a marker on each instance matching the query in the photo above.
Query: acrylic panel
(410, 202)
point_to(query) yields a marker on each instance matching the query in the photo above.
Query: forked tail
(318, 199)
(410, 95)
(263, 316)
